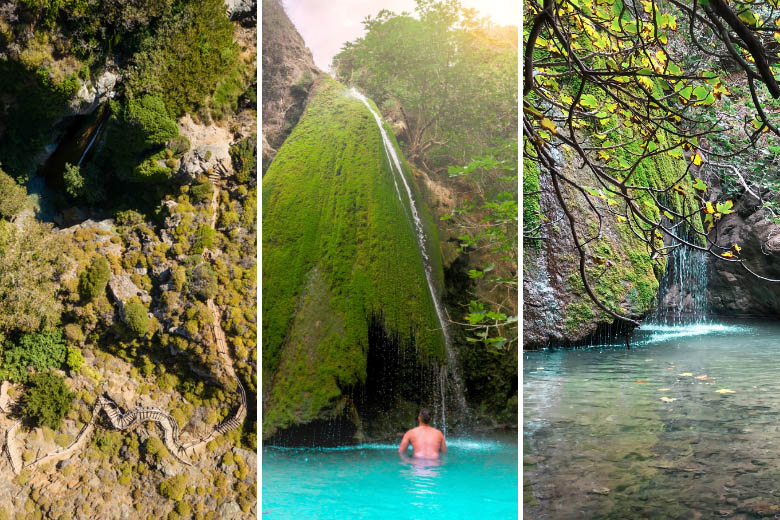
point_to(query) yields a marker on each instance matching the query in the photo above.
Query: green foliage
(187, 57)
(452, 78)
(47, 400)
(202, 192)
(174, 488)
(338, 241)
(149, 122)
(244, 156)
(93, 280)
(13, 198)
(151, 171)
(136, 318)
(39, 350)
(74, 182)
(205, 238)
(74, 359)
(202, 282)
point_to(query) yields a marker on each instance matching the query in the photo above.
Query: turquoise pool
(477, 478)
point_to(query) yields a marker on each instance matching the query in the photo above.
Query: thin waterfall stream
(682, 292)
(397, 170)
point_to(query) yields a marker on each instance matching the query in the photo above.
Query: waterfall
(682, 292)
(397, 172)
(91, 142)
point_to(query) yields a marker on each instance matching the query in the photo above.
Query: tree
(136, 318)
(93, 280)
(48, 400)
(450, 77)
(74, 182)
(618, 87)
(13, 198)
(150, 122)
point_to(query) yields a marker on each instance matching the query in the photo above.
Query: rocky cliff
(288, 74)
(619, 267)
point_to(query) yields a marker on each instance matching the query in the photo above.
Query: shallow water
(477, 478)
(683, 425)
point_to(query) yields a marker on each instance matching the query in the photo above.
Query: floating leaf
(686, 374)
(737, 248)
(725, 391)
(668, 399)
(727, 254)
(664, 389)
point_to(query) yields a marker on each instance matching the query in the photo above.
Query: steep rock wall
(556, 309)
(288, 73)
(339, 249)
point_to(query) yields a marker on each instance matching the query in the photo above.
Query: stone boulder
(123, 289)
(204, 160)
(734, 291)
(93, 93)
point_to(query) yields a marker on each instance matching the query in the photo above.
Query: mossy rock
(338, 246)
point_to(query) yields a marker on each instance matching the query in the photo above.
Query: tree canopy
(622, 85)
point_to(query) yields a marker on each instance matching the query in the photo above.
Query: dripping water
(682, 293)
(397, 172)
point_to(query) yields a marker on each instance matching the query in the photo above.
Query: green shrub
(13, 198)
(136, 318)
(174, 487)
(205, 238)
(40, 351)
(244, 156)
(202, 192)
(47, 400)
(93, 281)
(150, 170)
(74, 360)
(74, 182)
(150, 122)
(202, 282)
(179, 145)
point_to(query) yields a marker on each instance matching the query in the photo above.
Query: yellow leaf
(737, 248)
(696, 159)
(725, 391)
(686, 374)
(668, 399)
(709, 209)
(549, 125)
(727, 254)
(664, 389)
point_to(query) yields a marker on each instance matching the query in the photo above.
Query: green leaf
(588, 101)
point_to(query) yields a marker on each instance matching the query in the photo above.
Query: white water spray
(397, 172)
(91, 142)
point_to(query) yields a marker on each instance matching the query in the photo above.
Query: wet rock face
(734, 291)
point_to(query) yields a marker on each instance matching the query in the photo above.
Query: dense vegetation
(337, 246)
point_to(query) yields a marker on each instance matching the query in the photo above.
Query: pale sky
(326, 25)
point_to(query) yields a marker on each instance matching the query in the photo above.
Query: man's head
(425, 416)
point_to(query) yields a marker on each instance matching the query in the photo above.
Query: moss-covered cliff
(620, 269)
(338, 249)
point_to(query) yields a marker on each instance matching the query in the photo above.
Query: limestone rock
(214, 158)
(122, 289)
(92, 94)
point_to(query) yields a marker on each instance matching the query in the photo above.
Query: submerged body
(426, 441)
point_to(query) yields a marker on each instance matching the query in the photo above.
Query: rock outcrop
(288, 74)
(733, 290)
(621, 272)
(93, 93)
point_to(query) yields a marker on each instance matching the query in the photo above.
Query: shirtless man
(426, 440)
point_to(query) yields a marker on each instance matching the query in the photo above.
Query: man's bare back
(426, 440)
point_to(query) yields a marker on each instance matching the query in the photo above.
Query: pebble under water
(686, 424)
(477, 478)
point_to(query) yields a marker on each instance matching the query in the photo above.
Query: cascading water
(682, 293)
(397, 172)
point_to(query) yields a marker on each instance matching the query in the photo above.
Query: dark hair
(425, 415)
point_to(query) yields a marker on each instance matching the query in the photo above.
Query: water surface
(686, 424)
(477, 478)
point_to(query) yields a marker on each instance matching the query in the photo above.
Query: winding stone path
(123, 421)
